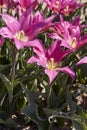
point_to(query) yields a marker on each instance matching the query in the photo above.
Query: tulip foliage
(43, 63)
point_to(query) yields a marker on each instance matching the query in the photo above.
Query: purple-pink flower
(70, 34)
(51, 59)
(63, 6)
(25, 29)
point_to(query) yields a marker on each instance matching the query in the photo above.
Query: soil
(22, 125)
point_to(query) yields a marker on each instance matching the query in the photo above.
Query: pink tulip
(70, 34)
(25, 29)
(63, 6)
(51, 59)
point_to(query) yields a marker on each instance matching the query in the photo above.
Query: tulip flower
(63, 6)
(25, 29)
(51, 59)
(70, 34)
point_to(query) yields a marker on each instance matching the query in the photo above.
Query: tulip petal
(68, 71)
(11, 23)
(33, 59)
(38, 46)
(82, 61)
(54, 36)
(51, 74)
(6, 33)
(20, 44)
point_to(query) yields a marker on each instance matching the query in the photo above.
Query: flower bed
(43, 64)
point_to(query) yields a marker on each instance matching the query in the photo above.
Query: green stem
(49, 91)
(8, 7)
(48, 97)
(13, 64)
(49, 88)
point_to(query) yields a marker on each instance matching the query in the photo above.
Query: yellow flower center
(24, 9)
(73, 42)
(21, 36)
(51, 64)
(66, 10)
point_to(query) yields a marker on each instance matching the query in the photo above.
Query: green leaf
(71, 103)
(34, 86)
(31, 111)
(10, 123)
(5, 68)
(9, 87)
(53, 99)
(2, 97)
(79, 120)
(6, 81)
(3, 115)
(30, 95)
(77, 126)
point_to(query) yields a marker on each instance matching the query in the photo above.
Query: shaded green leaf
(31, 111)
(8, 85)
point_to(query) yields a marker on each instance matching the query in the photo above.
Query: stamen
(57, 3)
(51, 64)
(21, 36)
(73, 42)
(66, 10)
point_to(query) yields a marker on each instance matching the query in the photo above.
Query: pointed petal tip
(82, 61)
